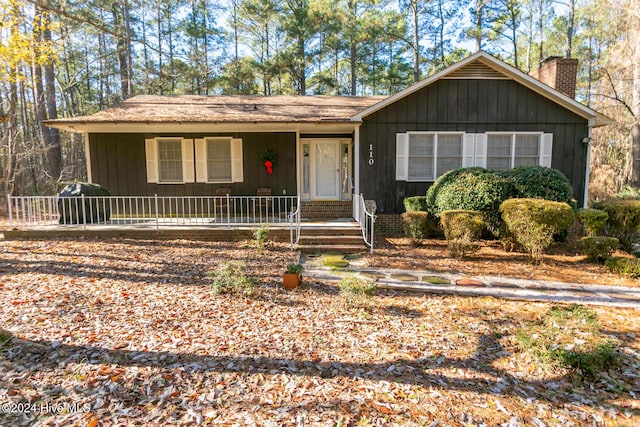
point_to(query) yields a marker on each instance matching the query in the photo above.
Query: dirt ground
(125, 332)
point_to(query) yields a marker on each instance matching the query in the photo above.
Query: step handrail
(365, 218)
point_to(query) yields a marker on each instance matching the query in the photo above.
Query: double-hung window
(219, 160)
(424, 156)
(169, 160)
(510, 150)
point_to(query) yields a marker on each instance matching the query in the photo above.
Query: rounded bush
(594, 221)
(415, 204)
(539, 182)
(533, 222)
(462, 224)
(623, 221)
(599, 248)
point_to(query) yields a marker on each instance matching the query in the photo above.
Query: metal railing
(229, 211)
(365, 218)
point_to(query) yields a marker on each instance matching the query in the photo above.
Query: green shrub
(594, 221)
(539, 182)
(462, 228)
(599, 248)
(533, 222)
(629, 267)
(461, 223)
(260, 236)
(623, 222)
(229, 278)
(473, 189)
(415, 226)
(415, 204)
(629, 193)
(484, 190)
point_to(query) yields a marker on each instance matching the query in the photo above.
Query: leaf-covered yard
(125, 332)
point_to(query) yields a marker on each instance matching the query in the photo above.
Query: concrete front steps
(340, 236)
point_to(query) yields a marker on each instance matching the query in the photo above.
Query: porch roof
(193, 111)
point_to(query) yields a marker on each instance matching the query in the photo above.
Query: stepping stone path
(458, 284)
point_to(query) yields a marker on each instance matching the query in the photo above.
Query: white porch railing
(365, 218)
(228, 211)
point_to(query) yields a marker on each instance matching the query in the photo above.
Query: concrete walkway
(495, 286)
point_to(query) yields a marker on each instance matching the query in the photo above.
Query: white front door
(325, 169)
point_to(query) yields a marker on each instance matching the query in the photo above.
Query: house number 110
(371, 160)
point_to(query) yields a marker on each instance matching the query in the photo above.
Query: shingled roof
(150, 109)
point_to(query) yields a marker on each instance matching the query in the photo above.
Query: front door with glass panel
(326, 168)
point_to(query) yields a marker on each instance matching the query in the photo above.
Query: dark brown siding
(118, 163)
(473, 106)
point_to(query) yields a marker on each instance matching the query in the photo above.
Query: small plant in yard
(356, 291)
(593, 221)
(415, 226)
(260, 236)
(599, 248)
(568, 338)
(629, 267)
(5, 336)
(230, 278)
(294, 268)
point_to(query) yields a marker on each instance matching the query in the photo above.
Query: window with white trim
(169, 160)
(427, 155)
(219, 160)
(424, 156)
(510, 150)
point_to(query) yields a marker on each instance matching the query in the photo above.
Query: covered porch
(185, 217)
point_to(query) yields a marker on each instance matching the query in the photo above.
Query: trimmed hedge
(594, 221)
(539, 182)
(623, 222)
(415, 204)
(462, 228)
(533, 222)
(599, 248)
(415, 226)
(484, 190)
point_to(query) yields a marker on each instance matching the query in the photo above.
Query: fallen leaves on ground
(562, 263)
(126, 332)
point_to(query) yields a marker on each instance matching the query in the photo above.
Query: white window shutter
(187, 160)
(481, 150)
(402, 156)
(202, 174)
(236, 160)
(151, 154)
(546, 150)
(468, 149)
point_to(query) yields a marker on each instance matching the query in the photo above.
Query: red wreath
(268, 158)
(268, 164)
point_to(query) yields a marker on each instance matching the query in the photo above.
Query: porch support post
(587, 173)
(87, 155)
(356, 160)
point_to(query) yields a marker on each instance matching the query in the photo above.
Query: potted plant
(291, 276)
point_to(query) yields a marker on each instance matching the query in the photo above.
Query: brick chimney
(559, 73)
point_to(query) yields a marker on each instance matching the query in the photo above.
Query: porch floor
(203, 230)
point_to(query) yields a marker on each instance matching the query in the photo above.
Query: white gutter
(587, 173)
(87, 155)
(356, 160)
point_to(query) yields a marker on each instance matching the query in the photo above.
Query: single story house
(479, 111)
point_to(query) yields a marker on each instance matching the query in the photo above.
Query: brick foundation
(326, 209)
(388, 225)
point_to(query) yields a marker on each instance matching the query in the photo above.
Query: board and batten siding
(118, 163)
(471, 106)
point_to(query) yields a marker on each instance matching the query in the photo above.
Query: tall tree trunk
(413, 4)
(635, 130)
(120, 14)
(570, 22)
